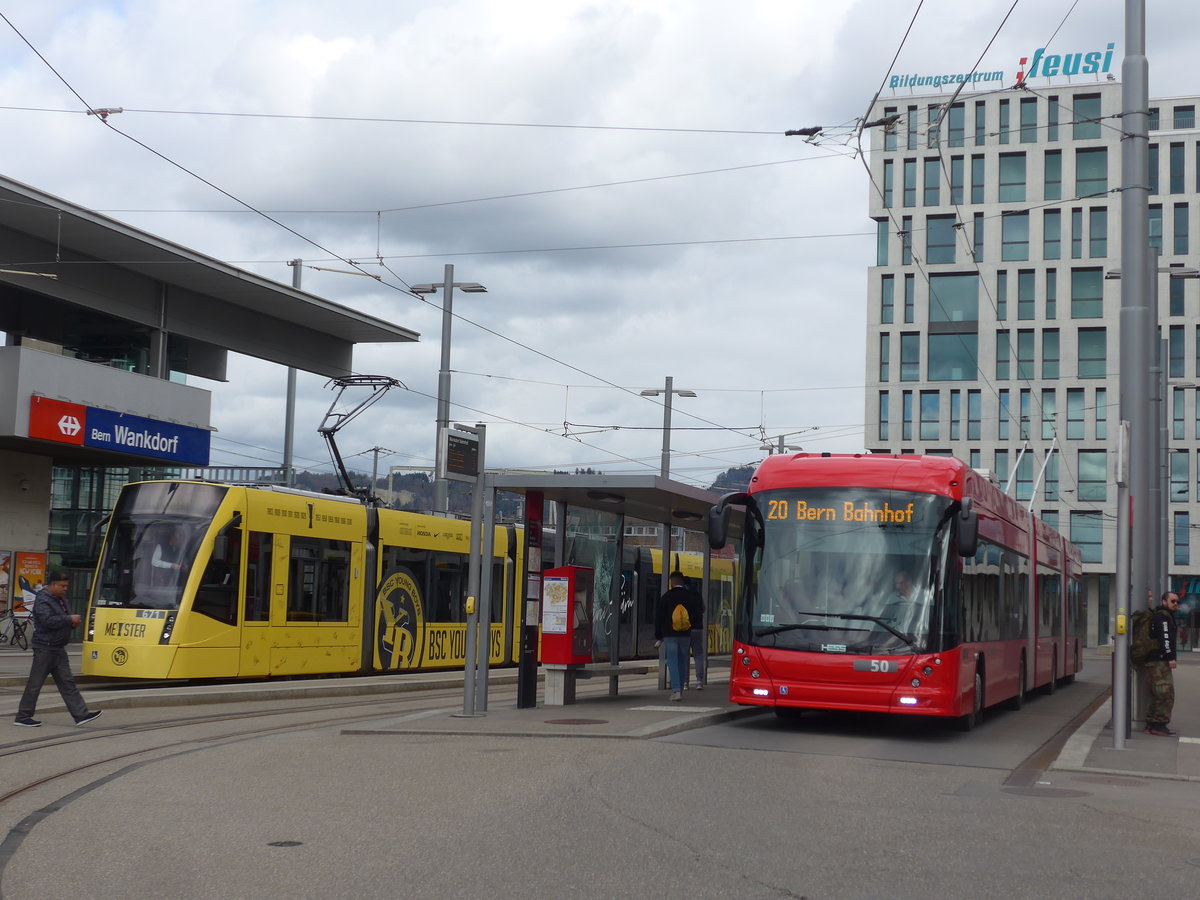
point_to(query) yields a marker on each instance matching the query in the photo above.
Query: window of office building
(1003, 414)
(930, 415)
(1093, 475)
(887, 299)
(1052, 234)
(933, 182)
(1050, 491)
(1101, 408)
(910, 356)
(1093, 353)
(1152, 165)
(980, 123)
(906, 241)
(1050, 353)
(1051, 293)
(1049, 413)
(1005, 116)
(977, 170)
(1154, 226)
(1087, 533)
(1086, 117)
(911, 128)
(974, 415)
(888, 182)
(889, 133)
(1002, 355)
(910, 299)
(1014, 236)
(1026, 414)
(1075, 414)
(1175, 350)
(1077, 234)
(956, 180)
(1052, 118)
(881, 242)
(1053, 175)
(1087, 293)
(957, 124)
(954, 298)
(1175, 162)
(1178, 412)
(1012, 177)
(940, 237)
(977, 245)
(955, 415)
(933, 118)
(1175, 295)
(1152, 121)
(1180, 476)
(1024, 486)
(975, 458)
(883, 415)
(1025, 354)
(1181, 228)
(953, 357)
(1001, 295)
(906, 412)
(1182, 542)
(1185, 117)
(910, 182)
(1026, 300)
(1091, 172)
(1029, 134)
(1001, 466)
(1098, 232)
(885, 356)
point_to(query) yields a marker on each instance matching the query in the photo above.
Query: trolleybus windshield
(844, 570)
(150, 548)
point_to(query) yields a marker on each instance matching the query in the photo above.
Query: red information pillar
(568, 595)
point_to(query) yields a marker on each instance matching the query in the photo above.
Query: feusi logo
(1044, 64)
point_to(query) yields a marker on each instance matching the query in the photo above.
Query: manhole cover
(577, 721)
(1049, 793)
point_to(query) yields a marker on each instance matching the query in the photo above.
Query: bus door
(261, 585)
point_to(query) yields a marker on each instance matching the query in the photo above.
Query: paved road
(430, 805)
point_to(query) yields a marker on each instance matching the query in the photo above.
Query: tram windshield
(150, 548)
(844, 570)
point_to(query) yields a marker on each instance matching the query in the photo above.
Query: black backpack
(1141, 641)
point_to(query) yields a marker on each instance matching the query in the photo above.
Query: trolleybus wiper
(776, 629)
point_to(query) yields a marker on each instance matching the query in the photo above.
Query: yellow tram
(204, 581)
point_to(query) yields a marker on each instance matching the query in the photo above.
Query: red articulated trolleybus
(895, 584)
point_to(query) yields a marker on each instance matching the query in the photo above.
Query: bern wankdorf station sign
(103, 429)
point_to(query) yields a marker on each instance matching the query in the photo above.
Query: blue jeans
(677, 659)
(698, 643)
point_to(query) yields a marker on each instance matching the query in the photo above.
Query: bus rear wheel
(1018, 701)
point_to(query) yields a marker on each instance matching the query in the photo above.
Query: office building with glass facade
(994, 301)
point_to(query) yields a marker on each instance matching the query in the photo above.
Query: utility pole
(289, 418)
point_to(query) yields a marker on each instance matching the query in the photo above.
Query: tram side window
(258, 577)
(318, 580)
(449, 588)
(218, 592)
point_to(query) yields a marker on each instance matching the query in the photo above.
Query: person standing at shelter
(1159, 663)
(697, 641)
(673, 629)
(52, 624)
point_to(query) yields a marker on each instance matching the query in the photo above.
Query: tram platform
(641, 711)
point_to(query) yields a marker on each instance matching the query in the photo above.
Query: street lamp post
(665, 469)
(441, 487)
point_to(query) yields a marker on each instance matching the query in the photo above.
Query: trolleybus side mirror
(968, 529)
(718, 518)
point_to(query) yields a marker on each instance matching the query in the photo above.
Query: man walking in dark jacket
(673, 629)
(1159, 663)
(52, 624)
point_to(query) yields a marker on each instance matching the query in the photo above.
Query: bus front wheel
(975, 716)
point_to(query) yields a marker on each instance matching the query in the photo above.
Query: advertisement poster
(29, 571)
(5, 579)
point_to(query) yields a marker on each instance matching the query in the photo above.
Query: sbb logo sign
(56, 420)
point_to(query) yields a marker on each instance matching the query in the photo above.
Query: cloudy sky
(614, 171)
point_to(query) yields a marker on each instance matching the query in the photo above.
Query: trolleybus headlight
(761, 692)
(745, 660)
(928, 670)
(754, 673)
(908, 701)
(937, 660)
(916, 682)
